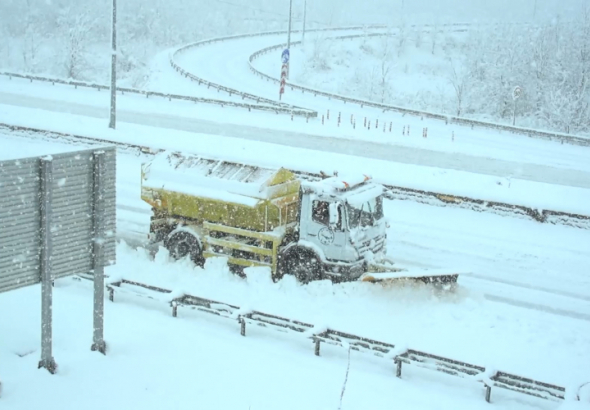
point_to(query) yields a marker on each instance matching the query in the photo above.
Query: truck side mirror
(334, 215)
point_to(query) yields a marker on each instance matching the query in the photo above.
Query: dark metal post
(488, 393)
(99, 238)
(242, 326)
(113, 120)
(398, 368)
(47, 361)
(317, 347)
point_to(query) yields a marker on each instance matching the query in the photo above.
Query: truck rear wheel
(302, 264)
(181, 244)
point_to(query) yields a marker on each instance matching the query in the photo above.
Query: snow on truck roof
(354, 189)
(215, 179)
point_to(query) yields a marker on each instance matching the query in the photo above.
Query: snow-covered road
(568, 165)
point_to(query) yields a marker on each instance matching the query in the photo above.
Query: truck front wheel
(302, 264)
(181, 244)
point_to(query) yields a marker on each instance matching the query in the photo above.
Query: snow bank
(461, 326)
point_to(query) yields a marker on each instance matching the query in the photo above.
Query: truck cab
(342, 229)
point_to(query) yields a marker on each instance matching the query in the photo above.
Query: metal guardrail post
(242, 326)
(488, 393)
(47, 361)
(398, 368)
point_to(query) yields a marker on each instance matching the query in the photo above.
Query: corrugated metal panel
(19, 222)
(71, 219)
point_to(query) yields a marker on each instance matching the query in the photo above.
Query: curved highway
(227, 63)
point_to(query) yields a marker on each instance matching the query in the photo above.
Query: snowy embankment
(508, 188)
(464, 326)
(155, 360)
(470, 74)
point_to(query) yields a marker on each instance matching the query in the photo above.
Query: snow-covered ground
(156, 361)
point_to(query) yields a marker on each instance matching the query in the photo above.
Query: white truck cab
(342, 229)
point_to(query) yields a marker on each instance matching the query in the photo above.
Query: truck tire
(301, 263)
(181, 244)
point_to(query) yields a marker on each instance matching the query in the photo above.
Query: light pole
(113, 120)
(289, 34)
(304, 17)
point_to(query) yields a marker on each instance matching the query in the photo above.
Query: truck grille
(374, 245)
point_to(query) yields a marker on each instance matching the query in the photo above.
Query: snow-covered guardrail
(532, 133)
(259, 107)
(233, 91)
(394, 354)
(393, 192)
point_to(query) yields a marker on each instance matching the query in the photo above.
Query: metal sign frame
(58, 218)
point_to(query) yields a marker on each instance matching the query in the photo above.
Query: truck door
(330, 237)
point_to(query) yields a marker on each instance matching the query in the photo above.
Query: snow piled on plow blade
(437, 276)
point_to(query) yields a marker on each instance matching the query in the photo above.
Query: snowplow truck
(332, 228)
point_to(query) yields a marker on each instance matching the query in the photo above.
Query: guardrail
(480, 205)
(233, 91)
(532, 133)
(390, 352)
(393, 192)
(286, 109)
(258, 99)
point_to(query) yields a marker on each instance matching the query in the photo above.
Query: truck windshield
(365, 214)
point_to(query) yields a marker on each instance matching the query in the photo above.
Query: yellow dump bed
(232, 194)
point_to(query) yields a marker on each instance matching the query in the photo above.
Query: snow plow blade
(438, 278)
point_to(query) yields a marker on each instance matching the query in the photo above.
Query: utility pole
(113, 119)
(304, 17)
(289, 33)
